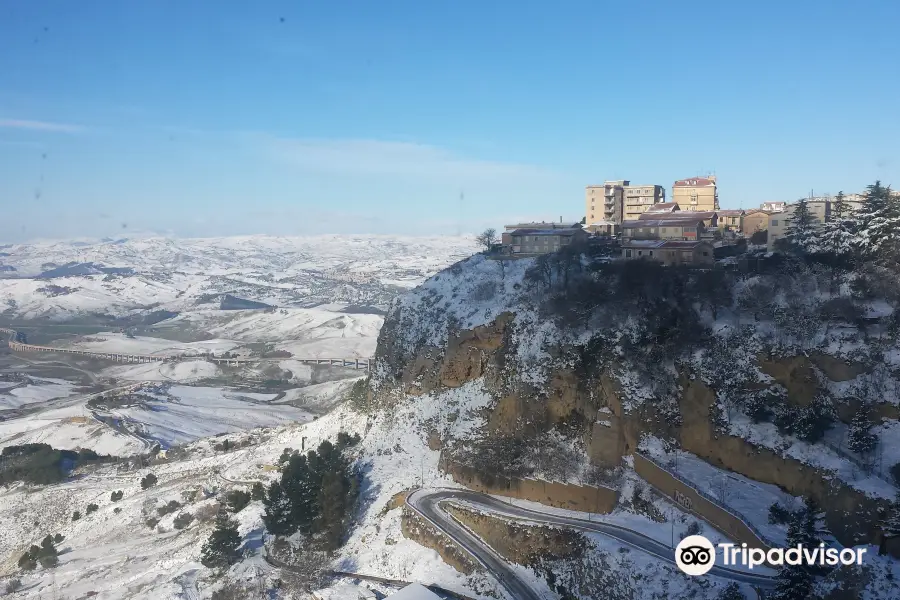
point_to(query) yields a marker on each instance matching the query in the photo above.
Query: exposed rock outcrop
(517, 542)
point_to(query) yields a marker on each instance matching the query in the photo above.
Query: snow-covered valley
(478, 369)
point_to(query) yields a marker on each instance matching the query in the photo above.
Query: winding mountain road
(427, 504)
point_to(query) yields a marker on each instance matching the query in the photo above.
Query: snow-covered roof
(415, 591)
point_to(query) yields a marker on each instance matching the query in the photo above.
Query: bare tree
(487, 239)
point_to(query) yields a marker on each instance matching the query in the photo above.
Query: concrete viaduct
(363, 364)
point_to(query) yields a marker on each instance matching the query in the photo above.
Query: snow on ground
(300, 372)
(183, 413)
(119, 342)
(188, 370)
(117, 556)
(174, 274)
(816, 455)
(750, 498)
(283, 323)
(68, 428)
(326, 345)
(39, 390)
(320, 397)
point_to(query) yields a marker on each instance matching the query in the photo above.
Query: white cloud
(389, 158)
(40, 126)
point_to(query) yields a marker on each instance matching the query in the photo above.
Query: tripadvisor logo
(696, 555)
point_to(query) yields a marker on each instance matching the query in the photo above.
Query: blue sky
(230, 117)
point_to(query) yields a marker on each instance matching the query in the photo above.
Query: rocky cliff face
(749, 374)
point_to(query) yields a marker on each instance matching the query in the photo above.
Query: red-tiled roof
(694, 182)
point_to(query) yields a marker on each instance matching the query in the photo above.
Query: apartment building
(779, 222)
(605, 203)
(639, 198)
(697, 194)
(852, 202)
(617, 201)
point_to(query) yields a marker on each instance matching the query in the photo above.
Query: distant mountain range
(136, 276)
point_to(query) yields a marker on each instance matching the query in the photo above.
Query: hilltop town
(639, 222)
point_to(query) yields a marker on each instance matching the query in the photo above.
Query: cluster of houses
(662, 233)
(639, 221)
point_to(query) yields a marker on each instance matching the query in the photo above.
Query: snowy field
(69, 428)
(119, 342)
(182, 414)
(188, 370)
(324, 332)
(36, 391)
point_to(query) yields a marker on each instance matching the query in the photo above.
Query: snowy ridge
(177, 275)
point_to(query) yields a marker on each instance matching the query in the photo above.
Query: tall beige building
(638, 198)
(696, 194)
(604, 203)
(617, 201)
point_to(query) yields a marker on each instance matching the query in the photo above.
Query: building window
(663, 230)
(651, 253)
(640, 252)
(775, 222)
(628, 254)
(705, 253)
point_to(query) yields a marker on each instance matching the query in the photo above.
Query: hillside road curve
(427, 503)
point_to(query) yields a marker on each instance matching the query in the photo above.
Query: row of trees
(868, 234)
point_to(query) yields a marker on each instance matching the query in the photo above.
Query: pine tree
(794, 582)
(258, 492)
(803, 229)
(332, 497)
(221, 549)
(836, 236)
(860, 439)
(877, 222)
(277, 517)
(732, 591)
(891, 523)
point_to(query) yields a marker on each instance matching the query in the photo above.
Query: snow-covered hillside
(60, 280)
